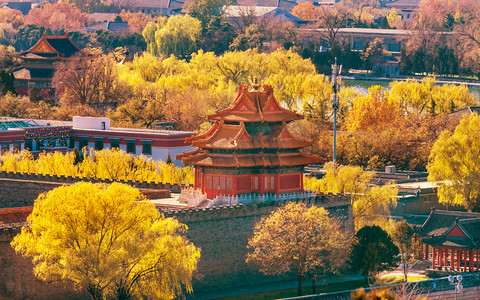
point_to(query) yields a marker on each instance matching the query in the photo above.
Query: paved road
(266, 287)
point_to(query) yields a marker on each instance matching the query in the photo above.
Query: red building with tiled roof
(451, 239)
(249, 149)
(40, 63)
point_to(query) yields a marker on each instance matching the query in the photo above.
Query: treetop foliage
(373, 251)
(454, 164)
(371, 205)
(111, 164)
(109, 241)
(295, 237)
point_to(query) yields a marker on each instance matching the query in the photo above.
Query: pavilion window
(29, 144)
(229, 184)
(99, 144)
(131, 147)
(115, 144)
(147, 148)
(5, 148)
(83, 142)
(71, 143)
(17, 147)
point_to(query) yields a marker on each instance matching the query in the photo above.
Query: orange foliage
(11, 16)
(307, 11)
(57, 16)
(373, 110)
(136, 21)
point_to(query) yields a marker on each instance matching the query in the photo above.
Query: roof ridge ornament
(255, 84)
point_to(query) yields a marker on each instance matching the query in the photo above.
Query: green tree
(217, 33)
(108, 240)
(6, 83)
(403, 236)
(27, 36)
(177, 35)
(455, 164)
(299, 238)
(373, 251)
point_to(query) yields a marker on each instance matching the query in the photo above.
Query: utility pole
(336, 80)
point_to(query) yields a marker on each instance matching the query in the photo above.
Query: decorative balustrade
(192, 197)
(257, 198)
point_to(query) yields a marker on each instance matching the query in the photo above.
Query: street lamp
(457, 281)
(336, 72)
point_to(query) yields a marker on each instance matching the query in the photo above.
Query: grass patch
(332, 287)
(393, 279)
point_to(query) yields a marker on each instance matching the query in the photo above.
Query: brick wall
(17, 280)
(222, 234)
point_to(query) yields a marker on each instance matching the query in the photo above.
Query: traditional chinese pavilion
(451, 239)
(40, 63)
(249, 149)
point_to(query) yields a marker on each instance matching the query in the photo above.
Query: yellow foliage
(371, 205)
(299, 238)
(111, 164)
(454, 164)
(375, 110)
(108, 240)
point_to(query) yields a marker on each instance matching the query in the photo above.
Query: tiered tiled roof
(251, 132)
(52, 47)
(255, 106)
(451, 229)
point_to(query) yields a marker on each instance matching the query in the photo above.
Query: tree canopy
(403, 236)
(373, 251)
(295, 237)
(455, 164)
(108, 240)
(371, 205)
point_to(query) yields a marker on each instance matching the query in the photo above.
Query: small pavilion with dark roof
(451, 239)
(40, 64)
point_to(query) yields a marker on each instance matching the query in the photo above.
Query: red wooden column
(277, 184)
(476, 265)
(440, 258)
(434, 252)
(470, 260)
(464, 260)
(446, 257)
(459, 258)
(426, 251)
(301, 181)
(261, 184)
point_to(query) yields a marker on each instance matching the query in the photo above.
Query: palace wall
(222, 234)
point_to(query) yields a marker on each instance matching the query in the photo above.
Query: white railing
(192, 197)
(257, 198)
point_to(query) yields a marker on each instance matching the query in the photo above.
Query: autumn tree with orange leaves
(57, 16)
(373, 110)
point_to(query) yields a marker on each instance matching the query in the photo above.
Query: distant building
(392, 39)
(286, 5)
(161, 7)
(96, 133)
(451, 239)
(407, 9)
(236, 13)
(22, 5)
(39, 64)
(113, 26)
(386, 66)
